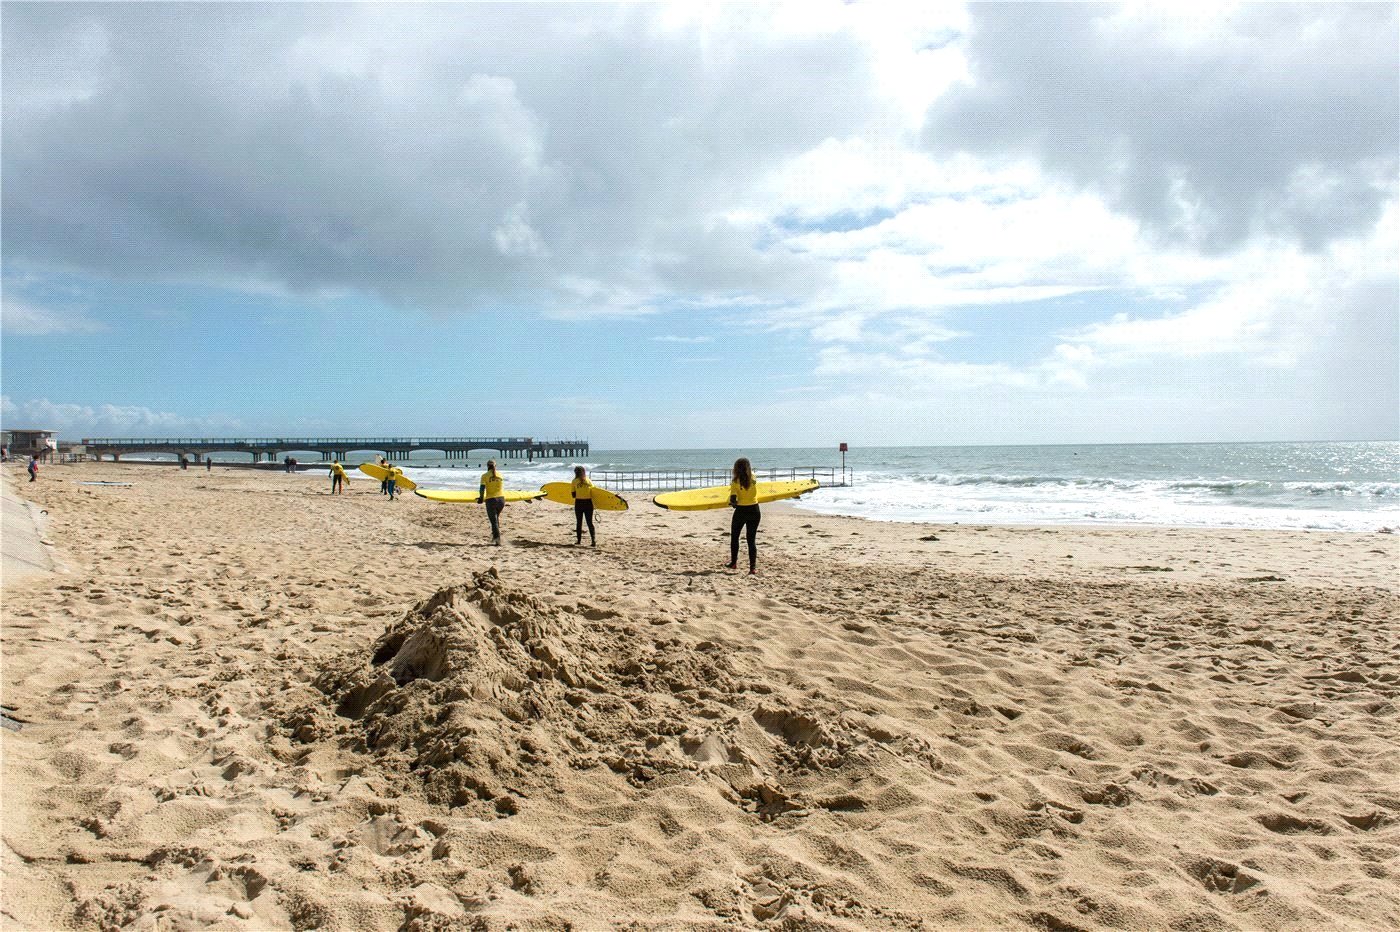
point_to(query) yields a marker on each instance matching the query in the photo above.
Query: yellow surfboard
(380, 473)
(717, 496)
(603, 500)
(465, 497)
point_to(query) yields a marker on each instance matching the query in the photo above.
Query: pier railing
(670, 480)
(336, 447)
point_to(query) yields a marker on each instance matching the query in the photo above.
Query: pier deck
(339, 448)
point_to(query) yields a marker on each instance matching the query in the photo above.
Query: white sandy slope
(253, 705)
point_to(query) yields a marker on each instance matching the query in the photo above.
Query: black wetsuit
(494, 507)
(583, 511)
(747, 517)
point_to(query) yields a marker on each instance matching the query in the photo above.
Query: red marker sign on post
(843, 462)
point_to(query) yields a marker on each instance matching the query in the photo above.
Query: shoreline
(998, 727)
(1385, 523)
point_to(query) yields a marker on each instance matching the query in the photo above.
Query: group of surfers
(743, 500)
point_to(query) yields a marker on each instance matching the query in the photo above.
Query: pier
(335, 448)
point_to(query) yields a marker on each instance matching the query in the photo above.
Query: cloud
(1211, 127)
(1286, 344)
(24, 318)
(672, 338)
(437, 156)
(73, 421)
(1277, 306)
(850, 174)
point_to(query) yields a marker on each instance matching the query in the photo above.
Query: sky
(702, 225)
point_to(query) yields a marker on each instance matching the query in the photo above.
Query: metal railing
(670, 480)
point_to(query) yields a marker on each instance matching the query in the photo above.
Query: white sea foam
(1103, 502)
(1335, 487)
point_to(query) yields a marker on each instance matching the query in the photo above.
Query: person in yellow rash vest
(743, 498)
(337, 479)
(582, 490)
(492, 492)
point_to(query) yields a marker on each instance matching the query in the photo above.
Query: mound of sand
(489, 697)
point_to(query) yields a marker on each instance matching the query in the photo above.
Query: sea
(1285, 486)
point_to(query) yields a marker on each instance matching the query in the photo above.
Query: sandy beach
(247, 704)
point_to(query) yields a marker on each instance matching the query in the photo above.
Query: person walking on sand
(492, 493)
(337, 479)
(743, 498)
(582, 491)
(384, 483)
(209, 464)
(33, 468)
(391, 481)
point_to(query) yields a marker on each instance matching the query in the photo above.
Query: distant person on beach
(582, 491)
(184, 462)
(492, 492)
(743, 498)
(33, 468)
(209, 464)
(337, 479)
(384, 483)
(391, 481)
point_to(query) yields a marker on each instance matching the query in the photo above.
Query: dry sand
(252, 705)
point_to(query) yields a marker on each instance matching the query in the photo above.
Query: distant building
(71, 452)
(27, 443)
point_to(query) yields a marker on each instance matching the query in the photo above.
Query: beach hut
(26, 443)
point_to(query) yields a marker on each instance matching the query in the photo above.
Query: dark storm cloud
(447, 156)
(1271, 119)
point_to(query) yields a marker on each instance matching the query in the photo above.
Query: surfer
(337, 479)
(384, 483)
(582, 491)
(743, 498)
(391, 480)
(492, 492)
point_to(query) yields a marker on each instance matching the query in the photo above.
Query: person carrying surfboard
(337, 479)
(743, 498)
(391, 480)
(582, 491)
(492, 492)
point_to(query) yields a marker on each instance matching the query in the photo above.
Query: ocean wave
(1224, 487)
(1380, 489)
(1012, 481)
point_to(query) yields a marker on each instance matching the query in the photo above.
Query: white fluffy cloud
(1211, 125)
(19, 317)
(77, 420)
